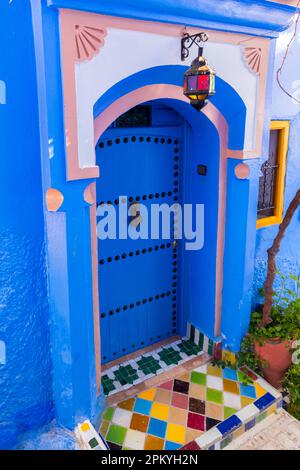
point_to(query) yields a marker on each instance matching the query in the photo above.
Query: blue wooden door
(138, 278)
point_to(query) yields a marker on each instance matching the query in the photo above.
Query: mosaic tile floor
(137, 370)
(177, 412)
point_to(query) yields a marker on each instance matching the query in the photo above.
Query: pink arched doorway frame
(102, 122)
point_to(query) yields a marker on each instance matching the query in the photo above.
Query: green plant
(246, 355)
(291, 385)
(285, 314)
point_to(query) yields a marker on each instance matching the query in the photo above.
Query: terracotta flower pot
(276, 353)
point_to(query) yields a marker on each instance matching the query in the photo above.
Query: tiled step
(204, 407)
(121, 377)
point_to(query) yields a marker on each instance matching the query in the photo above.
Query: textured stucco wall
(284, 108)
(25, 378)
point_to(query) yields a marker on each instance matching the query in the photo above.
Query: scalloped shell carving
(253, 56)
(89, 41)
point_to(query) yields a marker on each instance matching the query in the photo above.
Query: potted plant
(273, 329)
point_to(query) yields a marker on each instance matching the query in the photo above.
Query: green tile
(126, 375)
(198, 378)
(261, 416)
(93, 443)
(226, 441)
(228, 411)
(215, 396)
(210, 347)
(108, 384)
(116, 434)
(148, 365)
(201, 340)
(169, 356)
(189, 348)
(243, 378)
(109, 413)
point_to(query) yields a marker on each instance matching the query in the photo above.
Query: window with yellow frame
(272, 181)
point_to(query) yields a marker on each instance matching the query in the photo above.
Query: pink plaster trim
(242, 171)
(151, 92)
(54, 200)
(94, 253)
(82, 36)
(69, 55)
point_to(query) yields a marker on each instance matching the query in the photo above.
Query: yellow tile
(245, 401)
(271, 409)
(148, 394)
(228, 356)
(259, 390)
(214, 370)
(160, 411)
(175, 433)
(192, 434)
(238, 432)
(85, 427)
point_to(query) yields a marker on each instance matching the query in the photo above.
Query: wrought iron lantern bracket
(188, 40)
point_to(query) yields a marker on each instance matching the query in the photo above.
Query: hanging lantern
(199, 79)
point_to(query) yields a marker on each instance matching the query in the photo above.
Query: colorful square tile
(232, 400)
(159, 411)
(142, 406)
(197, 406)
(139, 422)
(214, 382)
(122, 417)
(180, 386)
(215, 396)
(230, 386)
(260, 391)
(177, 416)
(214, 411)
(116, 434)
(108, 413)
(153, 443)
(127, 404)
(175, 433)
(210, 423)
(197, 391)
(191, 446)
(245, 401)
(229, 424)
(214, 370)
(163, 396)
(230, 374)
(198, 378)
(180, 401)
(148, 394)
(196, 421)
(113, 446)
(157, 427)
(104, 428)
(264, 401)
(135, 439)
(172, 445)
(248, 391)
(167, 385)
(229, 411)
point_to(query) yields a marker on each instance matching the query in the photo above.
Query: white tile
(135, 439)
(232, 400)
(250, 411)
(122, 417)
(214, 382)
(188, 330)
(202, 369)
(208, 437)
(205, 344)
(197, 334)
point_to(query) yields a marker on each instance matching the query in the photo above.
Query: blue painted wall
(284, 108)
(25, 379)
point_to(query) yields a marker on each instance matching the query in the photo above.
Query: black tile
(197, 406)
(180, 386)
(113, 446)
(210, 423)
